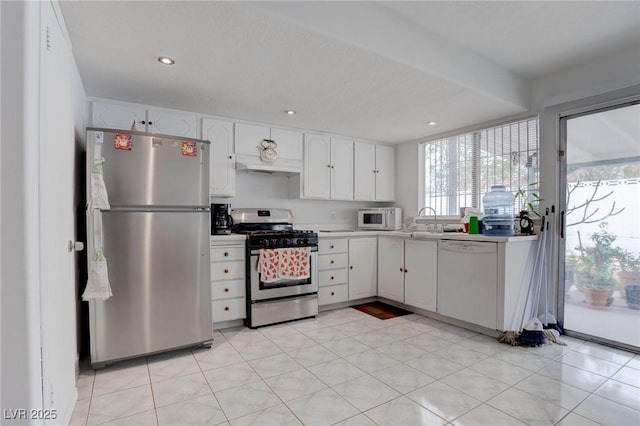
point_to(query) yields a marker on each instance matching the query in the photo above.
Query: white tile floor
(349, 368)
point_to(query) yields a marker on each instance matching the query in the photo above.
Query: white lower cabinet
(391, 268)
(333, 258)
(347, 269)
(228, 301)
(407, 271)
(363, 264)
(421, 274)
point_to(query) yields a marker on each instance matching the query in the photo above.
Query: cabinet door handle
(226, 290)
(405, 271)
(331, 277)
(332, 262)
(226, 254)
(331, 247)
(350, 267)
(401, 270)
(230, 157)
(226, 308)
(143, 122)
(333, 293)
(150, 123)
(226, 271)
(329, 165)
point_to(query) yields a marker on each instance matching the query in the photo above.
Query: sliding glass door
(601, 224)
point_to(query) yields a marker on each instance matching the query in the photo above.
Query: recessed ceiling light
(290, 111)
(431, 123)
(166, 60)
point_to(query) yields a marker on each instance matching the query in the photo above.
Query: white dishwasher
(468, 281)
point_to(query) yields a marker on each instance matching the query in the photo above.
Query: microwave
(384, 218)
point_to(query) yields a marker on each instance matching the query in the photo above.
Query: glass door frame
(563, 117)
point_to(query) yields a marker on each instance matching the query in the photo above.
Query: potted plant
(595, 267)
(629, 276)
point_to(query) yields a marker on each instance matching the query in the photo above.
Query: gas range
(286, 297)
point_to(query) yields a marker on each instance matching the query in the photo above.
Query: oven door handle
(256, 252)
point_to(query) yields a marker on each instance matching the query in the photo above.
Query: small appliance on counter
(382, 219)
(221, 220)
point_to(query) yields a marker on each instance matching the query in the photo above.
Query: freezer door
(154, 171)
(158, 265)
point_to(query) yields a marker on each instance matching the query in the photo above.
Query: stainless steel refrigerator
(155, 238)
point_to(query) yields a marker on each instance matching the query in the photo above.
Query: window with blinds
(460, 169)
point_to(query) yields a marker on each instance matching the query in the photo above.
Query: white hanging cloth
(98, 285)
(99, 197)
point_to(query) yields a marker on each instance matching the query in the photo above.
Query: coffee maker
(221, 220)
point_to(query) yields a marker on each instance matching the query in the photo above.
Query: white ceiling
(373, 70)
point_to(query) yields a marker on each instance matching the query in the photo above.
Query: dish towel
(294, 263)
(268, 265)
(98, 286)
(99, 196)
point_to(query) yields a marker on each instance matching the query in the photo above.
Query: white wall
(260, 190)
(21, 298)
(408, 178)
(20, 269)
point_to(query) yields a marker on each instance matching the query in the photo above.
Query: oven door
(284, 288)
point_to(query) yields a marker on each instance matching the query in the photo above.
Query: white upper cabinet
(374, 171)
(222, 171)
(385, 173)
(118, 116)
(364, 171)
(248, 138)
(123, 116)
(172, 123)
(289, 143)
(328, 167)
(341, 169)
(316, 182)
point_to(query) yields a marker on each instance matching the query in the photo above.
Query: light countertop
(460, 236)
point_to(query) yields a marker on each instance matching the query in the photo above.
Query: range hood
(253, 163)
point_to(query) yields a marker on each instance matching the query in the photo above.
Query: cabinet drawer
(227, 289)
(332, 246)
(333, 294)
(219, 254)
(227, 310)
(227, 270)
(333, 261)
(333, 277)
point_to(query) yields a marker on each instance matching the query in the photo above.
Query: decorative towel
(99, 197)
(294, 263)
(284, 264)
(98, 286)
(268, 265)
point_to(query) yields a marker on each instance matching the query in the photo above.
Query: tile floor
(348, 368)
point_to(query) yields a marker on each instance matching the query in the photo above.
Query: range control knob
(286, 241)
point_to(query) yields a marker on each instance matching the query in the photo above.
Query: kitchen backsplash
(262, 190)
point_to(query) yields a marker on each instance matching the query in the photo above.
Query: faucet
(435, 215)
